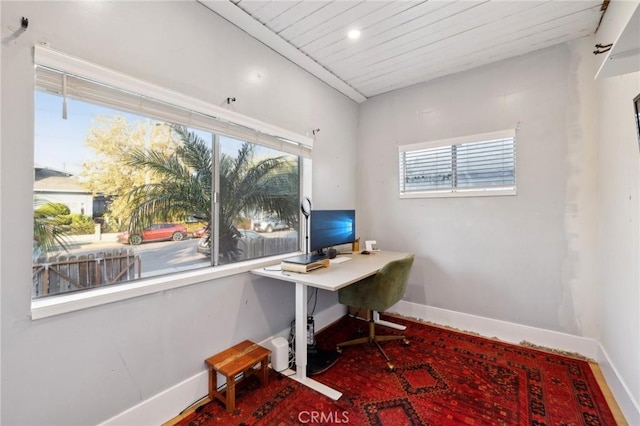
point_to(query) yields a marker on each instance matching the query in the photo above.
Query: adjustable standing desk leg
(301, 346)
(301, 331)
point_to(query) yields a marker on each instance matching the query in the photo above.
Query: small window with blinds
(483, 164)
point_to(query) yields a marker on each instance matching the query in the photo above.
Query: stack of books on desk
(304, 267)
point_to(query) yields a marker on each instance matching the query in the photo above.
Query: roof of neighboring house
(51, 180)
(45, 172)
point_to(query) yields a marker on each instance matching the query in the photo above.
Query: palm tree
(49, 237)
(184, 187)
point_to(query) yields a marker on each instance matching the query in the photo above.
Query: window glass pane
(120, 196)
(485, 164)
(488, 164)
(427, 169)
(98, 172)
(259, 201)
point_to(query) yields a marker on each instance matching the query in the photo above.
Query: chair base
(372, 338)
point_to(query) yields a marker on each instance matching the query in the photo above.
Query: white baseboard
(169, 403)
(516, 333)
(630, 408)
(164, 406)
(503, 330)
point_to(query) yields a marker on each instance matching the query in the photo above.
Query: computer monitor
(331, 228)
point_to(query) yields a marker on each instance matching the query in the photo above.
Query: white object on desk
(338, 260)
(370, 245)
(331, 279)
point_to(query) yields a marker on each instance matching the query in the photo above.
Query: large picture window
(475, 165)
(129, 187)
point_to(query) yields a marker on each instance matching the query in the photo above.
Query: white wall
(531, 259)
(619, 211)
(527, 259)
(562, 255)
(87, 366)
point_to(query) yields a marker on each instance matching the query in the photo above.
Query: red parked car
(200, 232)
(156, 232)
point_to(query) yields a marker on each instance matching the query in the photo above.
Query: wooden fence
(63, 274)
(252, 248)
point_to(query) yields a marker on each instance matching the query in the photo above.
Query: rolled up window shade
(92, 83)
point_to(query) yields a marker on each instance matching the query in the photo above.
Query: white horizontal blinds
(486, 164)
(244, 133)
(50, 81)
(92, 83)
(480, 162)
(426, 169)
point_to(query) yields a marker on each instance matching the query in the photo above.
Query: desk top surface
(338, 275)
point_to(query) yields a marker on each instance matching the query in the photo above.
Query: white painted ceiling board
(292, 16)
(384, 32)
(410, 45)
(406, 42)
(473, 42)
(322, 24)
(357, 17)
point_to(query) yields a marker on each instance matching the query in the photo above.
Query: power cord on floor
(219, 389)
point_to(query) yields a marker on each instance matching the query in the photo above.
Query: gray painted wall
(85, 367)
(619, 230)
(618, 166)
(532, 259)
(528, 258)
(564, 253)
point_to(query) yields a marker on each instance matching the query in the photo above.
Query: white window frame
(203, 114)
(478, 191)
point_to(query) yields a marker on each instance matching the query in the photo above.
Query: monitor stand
(319, 361)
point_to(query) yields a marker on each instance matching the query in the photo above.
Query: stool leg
(231, 394)
(264, 372)
(213, 382)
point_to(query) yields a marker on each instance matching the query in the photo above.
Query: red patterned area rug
(443, 377)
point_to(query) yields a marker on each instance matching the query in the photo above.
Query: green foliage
(112, 139)
(52, 223)
(48, 237)
(81, 224)
(183, 187)
(51, 210)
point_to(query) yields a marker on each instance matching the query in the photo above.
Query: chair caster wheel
(391, 367)
(405, 342)
(338, 349)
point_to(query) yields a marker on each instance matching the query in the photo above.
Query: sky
(60, 143)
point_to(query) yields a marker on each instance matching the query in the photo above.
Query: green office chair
(378, 293)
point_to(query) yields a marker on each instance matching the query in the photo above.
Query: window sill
(461, 193)
(57, 305)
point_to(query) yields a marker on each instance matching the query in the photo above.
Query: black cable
(194, 403)
(315, 302)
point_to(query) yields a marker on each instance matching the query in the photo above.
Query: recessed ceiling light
(354, 34)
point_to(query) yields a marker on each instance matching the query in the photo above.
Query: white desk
(332, 278)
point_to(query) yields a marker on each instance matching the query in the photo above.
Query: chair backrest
(380, 291)
(391, 281)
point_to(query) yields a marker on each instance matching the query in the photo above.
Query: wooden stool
(239, 358)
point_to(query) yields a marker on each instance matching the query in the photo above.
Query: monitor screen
(330, 228)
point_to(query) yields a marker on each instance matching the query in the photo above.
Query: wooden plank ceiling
(406, 42)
